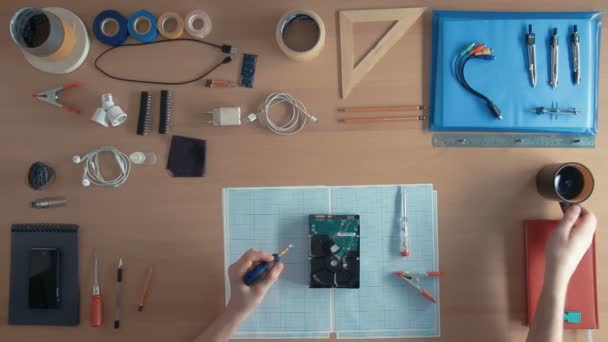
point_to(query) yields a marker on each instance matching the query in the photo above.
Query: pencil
(383, 119)
(118, 291)
(144, 292)
(380, 109)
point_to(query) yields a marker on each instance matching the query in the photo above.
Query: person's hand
(243, 298)
(568, 243)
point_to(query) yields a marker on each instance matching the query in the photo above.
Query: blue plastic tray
(506, 80)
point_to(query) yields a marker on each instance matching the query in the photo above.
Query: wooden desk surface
(176, 224)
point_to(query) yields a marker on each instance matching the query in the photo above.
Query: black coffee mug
(568, 183)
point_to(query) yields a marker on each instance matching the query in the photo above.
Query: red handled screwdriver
(96, 302)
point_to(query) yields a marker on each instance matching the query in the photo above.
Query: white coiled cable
(92, 170)
(297, 121)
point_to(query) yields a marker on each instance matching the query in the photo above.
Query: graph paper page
(384, 306)
(269, 219)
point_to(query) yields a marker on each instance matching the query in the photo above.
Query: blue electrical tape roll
(105, 17)
(145, 37)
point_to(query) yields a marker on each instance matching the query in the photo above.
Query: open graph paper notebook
(384, 305)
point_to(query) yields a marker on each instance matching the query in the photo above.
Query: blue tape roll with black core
(110, 38)
(152, 32)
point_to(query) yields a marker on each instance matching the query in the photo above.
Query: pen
(118, 291)
(554, 58)
(576, 62)
(531, 43)
(260, 270)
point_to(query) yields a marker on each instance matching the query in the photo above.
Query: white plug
(226, 116)
(76, 159)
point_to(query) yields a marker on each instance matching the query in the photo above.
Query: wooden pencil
(383, 119)
(380, 109)
(144, 293)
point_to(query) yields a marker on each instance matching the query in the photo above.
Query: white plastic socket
(109, 113)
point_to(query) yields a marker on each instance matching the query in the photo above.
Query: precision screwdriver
(260, 270)
(531, 43)
(96, 302)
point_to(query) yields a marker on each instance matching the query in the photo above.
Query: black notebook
(44, 281)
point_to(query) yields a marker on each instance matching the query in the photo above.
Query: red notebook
(582, 290)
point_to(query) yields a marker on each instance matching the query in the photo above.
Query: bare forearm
(548, 323)
(222, 328)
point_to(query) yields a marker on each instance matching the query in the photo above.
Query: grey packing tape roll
(289, 18)
(29, 25)
(77, 55)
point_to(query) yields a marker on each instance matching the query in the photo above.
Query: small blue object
(248, 70)
(258, 272)
(574, 317)
(152, 32)
(105, 17)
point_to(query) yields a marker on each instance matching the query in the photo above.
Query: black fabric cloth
(187, 157)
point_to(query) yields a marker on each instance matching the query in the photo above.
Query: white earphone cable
(92, 170)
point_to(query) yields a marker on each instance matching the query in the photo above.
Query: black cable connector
(229, 49)
(495, 110)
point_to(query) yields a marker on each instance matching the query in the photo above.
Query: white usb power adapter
(226, 116)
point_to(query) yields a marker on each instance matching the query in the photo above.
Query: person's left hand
(568, 243)
(243, 298)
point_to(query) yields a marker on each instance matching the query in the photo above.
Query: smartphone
(44, 277)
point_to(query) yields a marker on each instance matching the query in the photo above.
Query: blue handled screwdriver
(260, 270)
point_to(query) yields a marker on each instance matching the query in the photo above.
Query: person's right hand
(568, 243)
(243, 298)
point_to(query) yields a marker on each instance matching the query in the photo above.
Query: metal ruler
(513, 140)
